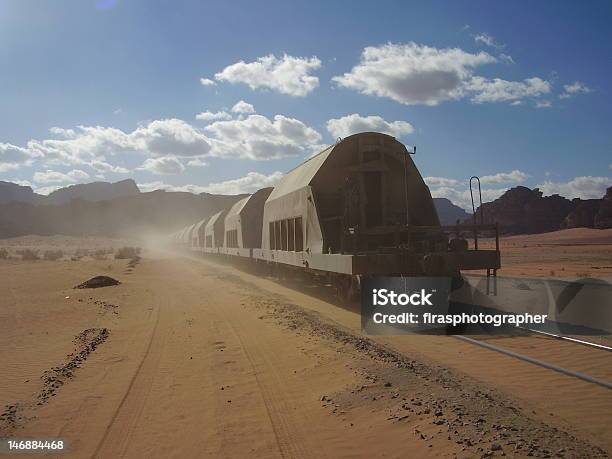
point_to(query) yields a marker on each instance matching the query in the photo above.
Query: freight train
(358, 208)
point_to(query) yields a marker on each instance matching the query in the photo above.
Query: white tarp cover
(232, 220)
(197, 235)
(210, 227)
(290, 200)
(187, 235)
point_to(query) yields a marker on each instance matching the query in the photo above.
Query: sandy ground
(577, 252)
(193, 358)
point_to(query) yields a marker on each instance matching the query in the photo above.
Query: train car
(243, 224)
(187, 236)
(361, 207)
(197, 236)
(214, 232)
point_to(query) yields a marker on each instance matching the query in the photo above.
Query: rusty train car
(358, 208)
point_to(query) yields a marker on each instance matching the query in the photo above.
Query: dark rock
(99, 281)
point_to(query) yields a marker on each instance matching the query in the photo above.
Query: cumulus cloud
(197, 162)
(286, 75)
(461, 197)
(213, 116)
(250, 183)
(102, 166)
(13, 157)
(584, 187)
(570, 90)
(243, 107)
(514, 176)
(440, 181)
(352, 124)
(46, 190)
(207, 82)
(170, 137)
(412, 73)
(166, 165)
(458, 192)
(488, 40)
(258, 137)
(498, 90)
(252, 137)
(88, 144)
(543, 104)
(50, 176)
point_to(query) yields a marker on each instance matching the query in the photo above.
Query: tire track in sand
(270, 383)
(118, 432)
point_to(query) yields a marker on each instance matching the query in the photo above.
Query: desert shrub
(127, 253)
(4, 254)
(79, 253)
(100, 254)
(28, 254)
(53, 255)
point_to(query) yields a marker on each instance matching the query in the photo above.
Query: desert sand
(189, 357)
(571, 253)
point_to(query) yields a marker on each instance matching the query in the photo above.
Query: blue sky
(518, 92)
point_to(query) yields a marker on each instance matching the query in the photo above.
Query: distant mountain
(96, 191)
(137, 215)
(521, 210)
(449, 213)
(13, 192)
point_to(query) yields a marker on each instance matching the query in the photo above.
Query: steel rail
(541, 363)
(567, 338)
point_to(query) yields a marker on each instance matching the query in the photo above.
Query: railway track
(542, 363)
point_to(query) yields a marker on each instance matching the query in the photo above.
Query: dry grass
(28, 254)
(53, 255)
(125, 253)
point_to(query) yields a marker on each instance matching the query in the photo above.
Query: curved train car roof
(211, 223)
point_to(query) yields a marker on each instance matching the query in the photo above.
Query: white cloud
(543, 104)
(257, 137)
(170, 137)
(570, 90)
(352, 124)
(197, 162)
(243, 107)
(207, 82)
(585, 187)
(213, 116)
(514, 176)
(78, 175)
(287, 75)
(50, 176)
(506, 58)
(413, 74)
(488, 40)
(462, 198)
(13, 157)
(253, 137)
(440, 181)
(46, 190)
(250, 183)
(417, 74)
(19, 182)
(94, 143)
(498, 90)
(102, 166)
(166, 165)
